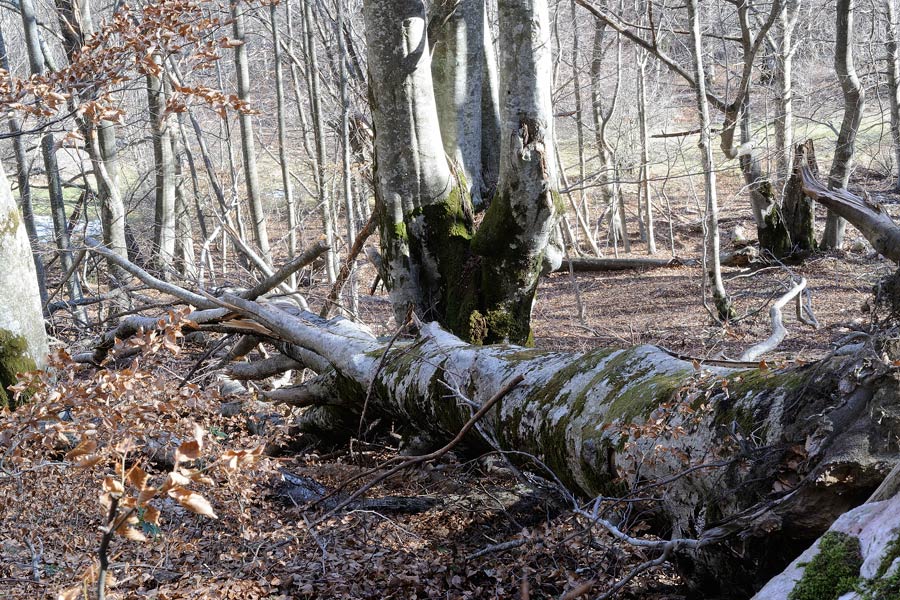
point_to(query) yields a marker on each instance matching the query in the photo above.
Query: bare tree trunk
(164, 166)
(295, 79)
(100, 139)
(799, 209)
(718, 438)
(579, 115)
(527, 204)
(460, 56)
(23, 342)
(184, 230)
(644, 196)
(602, 116)
(346, 162)
(36, 61)
(282, 144)
(248, 145)
(412, 175)
(23, 179)
(724, 309)
(854, 102)
(319, 130)
(893, 72)
(490, 115)
(784, 120)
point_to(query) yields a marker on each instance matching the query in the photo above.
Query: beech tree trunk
(23, 342)
(164, 167)
(602, 114)
(48, 152)
(325, 203)
(23, 178)
(858, 558)
(463, 71)
(712, 264)
(290, 207)
(644, 195)
(248, 145)
(854, 101)
(480, 284)
(893, 72)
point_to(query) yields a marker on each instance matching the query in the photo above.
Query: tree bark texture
(480, 284)
(23, 178)
(248, 145)
(774, 456)
(854, 102)
(164, 167)
(462, 64)
(892, 54)
(712, 264)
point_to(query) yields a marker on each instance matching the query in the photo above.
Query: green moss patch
(13, 359)
(832, 572)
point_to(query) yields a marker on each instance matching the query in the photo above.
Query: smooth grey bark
(892, 54)
(645, 200)
(490, 115)
(282, 138)
(860, 546)
(602, 114)
(784, 119)
(248, 145)
(184, 229)
(346, 161)
(514, 240)
(462, 52)
(324, 199)
(24, 181)
(164, 173)
(36, 60)
(736, 469)
(854, 102)
(579, 110)
(712, 265)
(411, 172)
(23, 342)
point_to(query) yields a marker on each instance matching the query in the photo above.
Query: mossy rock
(832, 572)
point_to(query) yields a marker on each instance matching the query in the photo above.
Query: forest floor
(263, 546)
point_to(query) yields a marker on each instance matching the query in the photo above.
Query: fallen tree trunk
(621, 264)
(867, 216)
(753, 464)
(743, 467)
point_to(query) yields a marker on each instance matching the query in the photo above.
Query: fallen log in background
(588, 264)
